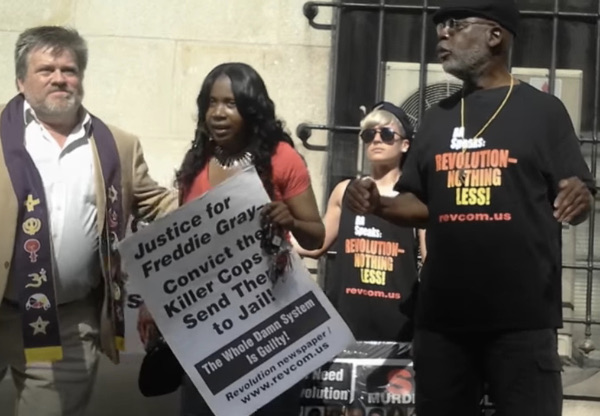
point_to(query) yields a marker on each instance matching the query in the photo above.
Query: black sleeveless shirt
(373, 276)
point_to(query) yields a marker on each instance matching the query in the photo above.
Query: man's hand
(362, 196)
(573, 202)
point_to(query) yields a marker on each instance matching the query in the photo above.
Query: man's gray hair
(54, 38)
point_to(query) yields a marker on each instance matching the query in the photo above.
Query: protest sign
(366, 379)
(241, 338)
(133, 345)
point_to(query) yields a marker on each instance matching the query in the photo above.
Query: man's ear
(20, 86)
(495, 37)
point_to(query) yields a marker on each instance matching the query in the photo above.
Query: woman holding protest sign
(375, 269)
(237, 128)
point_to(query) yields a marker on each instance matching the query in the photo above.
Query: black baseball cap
(503, 12)
(399, 113)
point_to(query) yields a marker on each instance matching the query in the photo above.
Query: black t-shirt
(493, 245)
(373, 275)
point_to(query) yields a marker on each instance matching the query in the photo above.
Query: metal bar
(311, 11)
(597, 82)
(348, 129)
(581, 321)
(314, 147)
(360, 158)
(584, 268)
(333, 75)
(553, 58)
(332, 128)
(567, 15)
(333, 253)
(413, 8)
(587, 343)
(593, 168)
(368, 6)
(423, 60)
(304, 131)
(379, 59)
(567, 396)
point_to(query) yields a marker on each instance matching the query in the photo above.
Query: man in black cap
(494, 171)
(375, 269)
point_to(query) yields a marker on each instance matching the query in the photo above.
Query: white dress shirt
(68, 177)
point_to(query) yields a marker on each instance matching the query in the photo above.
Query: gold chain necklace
(462, 111)
(462, 172)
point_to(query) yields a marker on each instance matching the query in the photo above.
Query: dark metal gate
(554, 34)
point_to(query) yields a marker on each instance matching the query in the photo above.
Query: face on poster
(242, 338)
(389, 383)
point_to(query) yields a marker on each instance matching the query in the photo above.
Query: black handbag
(160, 372)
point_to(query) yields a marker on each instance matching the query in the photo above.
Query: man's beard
(468, 66)
(58, 107)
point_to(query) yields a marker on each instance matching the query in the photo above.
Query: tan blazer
(141, 198)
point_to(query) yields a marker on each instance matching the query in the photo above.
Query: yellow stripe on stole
(120, 343)
(43, 354)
